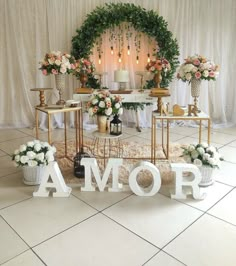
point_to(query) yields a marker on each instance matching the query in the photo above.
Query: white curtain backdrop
(31, 28)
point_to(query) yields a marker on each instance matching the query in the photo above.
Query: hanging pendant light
(112, 51)
(128, 51)
(137, 59)
(148, 60)
(99, 60)
(119, 57)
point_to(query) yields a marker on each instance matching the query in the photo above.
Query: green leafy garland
(148, 22)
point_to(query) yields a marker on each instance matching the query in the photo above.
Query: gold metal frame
(156, 117)
(78, 126)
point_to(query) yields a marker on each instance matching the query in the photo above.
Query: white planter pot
(33, 175)
(207, 176)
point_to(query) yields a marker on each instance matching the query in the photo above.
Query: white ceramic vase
(33, 175)
(207, 176)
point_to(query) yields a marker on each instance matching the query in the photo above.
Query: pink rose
(72, 66)
(196, 62)
(198, 75)
(212, 74)
(45, 72)
(54, 71)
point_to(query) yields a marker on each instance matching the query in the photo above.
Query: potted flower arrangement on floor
(206, 158)
(33, 156)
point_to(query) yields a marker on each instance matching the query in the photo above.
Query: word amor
(53, 173)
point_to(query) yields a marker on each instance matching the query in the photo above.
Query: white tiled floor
(108, 229)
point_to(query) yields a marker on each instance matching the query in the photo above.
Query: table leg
(209, 132)
(76, 131)
(65, 134)
(49, 129)
(168, 138)
(200, 131)
(37, 123)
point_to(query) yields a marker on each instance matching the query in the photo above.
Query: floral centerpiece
(202, 155)
(155, 66)
(56, 63)
(198, 67)
(34, 153)
(103, 103)
(84, 66)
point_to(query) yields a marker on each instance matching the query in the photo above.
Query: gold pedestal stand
(159, 93)
(41, 95)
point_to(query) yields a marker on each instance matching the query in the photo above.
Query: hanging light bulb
(99, 60)
(137, 59)
(119, 58)
(148, 57)
(128, 51)
(112, 51)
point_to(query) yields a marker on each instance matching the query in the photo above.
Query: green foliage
(112, 14)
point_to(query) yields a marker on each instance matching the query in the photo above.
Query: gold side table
(65, 110)
(157, 117)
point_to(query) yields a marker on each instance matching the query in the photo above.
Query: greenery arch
(112, 14)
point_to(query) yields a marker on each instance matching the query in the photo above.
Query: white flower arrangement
(34, 153)
(202, 154)
(103, 103)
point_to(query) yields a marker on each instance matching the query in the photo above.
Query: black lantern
(116, 126)
(78, 168)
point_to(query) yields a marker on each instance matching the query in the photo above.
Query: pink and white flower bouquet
(56, 63)
(154, 66)
(103, 103)
(198, 67)
(84, 66)
(34, 153)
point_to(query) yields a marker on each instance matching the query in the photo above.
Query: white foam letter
(179, 168)
(91, 164)
(53, 171)
(153, 188)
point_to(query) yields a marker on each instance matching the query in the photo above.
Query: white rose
(30, 144)
(37, 147)
(107, 100)
(17, 158)
(117, 105)
(31, 154)
(191, 148)
(63, 69)
(64, 60)
(197, 162)
(188, 76)
(188, 68)
(108, 111)
(205, 73)
(212, 161)
(120, 112)
(50, 61)
(22, 148)
(58, 62)
(94, 101)
(195, 69)
(102, 104)
(194, 154)
(204, 144)
(32, 163)
(40, 156)
(211, 149)
(24, 159)
(200, 150)
(206, 156)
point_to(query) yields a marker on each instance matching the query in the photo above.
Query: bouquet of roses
(154, 66)
(34, 153)
(84, 66)
(57, 63)
(198, 67)
(103, 103)
(202, 154)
